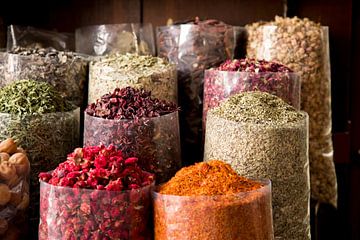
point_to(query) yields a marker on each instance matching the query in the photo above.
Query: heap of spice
(194, 46)
(209, 200)
(96, 193)
(119, 71)
(115, 38)
(43, 123)
(266, 138)
(66, 71)
(303, 45)
(14, 189)
(140, 126)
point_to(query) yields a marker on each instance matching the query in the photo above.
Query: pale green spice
(259, 108)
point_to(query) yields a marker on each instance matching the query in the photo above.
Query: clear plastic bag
(246, 216)
(72, 213)
(154, 141)
(303, 46)
(47, 139)
(14, 194)
(30, 37)
(123, 38)
(276, 152)
(66, 71)
(194, 47)
(154, 74)
(219, 85)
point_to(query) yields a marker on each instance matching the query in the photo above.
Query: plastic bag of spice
(95, 194)
(235, 76)
(266, 138)
(210, 201)
(123, 38)
(119, 71)
(30, 37)
(303, 46)
(14, 190)
(139, 126)
(194, 46)
(66, 71)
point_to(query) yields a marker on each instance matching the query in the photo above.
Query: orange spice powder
(208, 178)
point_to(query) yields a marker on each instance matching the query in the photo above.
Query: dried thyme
(119, 71)
(261, 136)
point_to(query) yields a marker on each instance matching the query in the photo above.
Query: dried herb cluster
(95, 194)
(119, 71)
(66, 71)
(139, 126)
(303, 46)
(194, 46)
(210, 201)
(266, 138)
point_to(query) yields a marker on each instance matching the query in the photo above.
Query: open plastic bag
(105, 39)
(30, 37)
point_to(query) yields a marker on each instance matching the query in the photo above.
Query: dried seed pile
(119, 71)
(261, 136)
(302, 45)
(66, 71)
(209, 200)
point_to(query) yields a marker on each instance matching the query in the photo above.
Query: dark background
(342, 17)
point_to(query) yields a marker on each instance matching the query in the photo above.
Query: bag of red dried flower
(210, 201)
(95, 194)
(140, 126)
(241, 75)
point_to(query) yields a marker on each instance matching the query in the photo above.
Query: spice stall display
(210, 201)
(14, 189)
(119, 71)
(42, 123)
(303, 46)
(123, 38)
(194, 46)
(66, 71)
(240, 75)
(96, 193)
(261, 136)
(140, 126)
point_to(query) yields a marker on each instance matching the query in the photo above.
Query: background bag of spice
(30, 37)
(194, 47)
(14, 190)
(105, 39)
(303, 46)
(154, 141)
(66, 71)
(67, 213)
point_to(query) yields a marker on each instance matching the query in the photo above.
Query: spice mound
(210, 201)
(95, 194)
(30, 97)
(257, 108)
(129, 103)
(140, 126)
(208, 178)
(151, 73)
(252, 65)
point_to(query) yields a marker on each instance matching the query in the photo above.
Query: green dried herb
(31, 97)
(259, 108)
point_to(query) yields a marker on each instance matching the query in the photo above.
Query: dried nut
(16, 198)
(20, 150)
(13, 182)
(21, 162)
(7, 171)
(4, 157)
(5, 194)
(3, 226)
(24, 203)
(8, 146)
